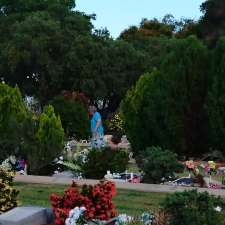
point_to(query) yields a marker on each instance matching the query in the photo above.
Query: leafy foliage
(13, 113)
(157, 164)
(213, 21)
(38, 36)
(191, 207)
(168, 104)
(49, 46)
(100, 160)
(148, 28)
(48, 140)
(215, 99)
(74, 117)
(8, 194)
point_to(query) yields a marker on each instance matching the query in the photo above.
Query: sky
(117, 15)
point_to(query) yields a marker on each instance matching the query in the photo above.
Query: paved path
(119, 185)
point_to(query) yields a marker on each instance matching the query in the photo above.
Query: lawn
(130, 202)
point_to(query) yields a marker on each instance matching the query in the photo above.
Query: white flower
(82, 209)
(61, 157)
(71, 213)
(124, 218)
(74, 215)
(218, 209)
(67, 222)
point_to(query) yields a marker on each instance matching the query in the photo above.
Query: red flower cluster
(96, 199)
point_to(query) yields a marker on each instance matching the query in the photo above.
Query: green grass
(130, 202)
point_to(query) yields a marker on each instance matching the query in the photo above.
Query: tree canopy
(212, 23)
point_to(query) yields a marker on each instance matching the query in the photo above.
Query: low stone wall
(27, 216)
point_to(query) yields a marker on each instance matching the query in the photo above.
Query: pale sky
(117, 15)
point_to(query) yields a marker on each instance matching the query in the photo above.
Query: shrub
(12, 115)
(96, 199)
(8, 195)
(98, 161)
(47, 140)
(157, 164)
(193, 208)
(74, 117)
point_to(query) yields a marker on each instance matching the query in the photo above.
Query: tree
(166, 107)
(48, 47)
(36, 38)
(186, 77)
(47, 140)
(216, 98)
(74, 117)
(149, 28)
(186, 28)
(107, 69)
(212, 23)
(13, 113)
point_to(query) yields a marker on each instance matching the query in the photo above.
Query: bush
(96, 199)
(8, 195)
(47, 140)
(157, 164)
(193, 208)
(100, 160)
(74, 117)
(12, 115)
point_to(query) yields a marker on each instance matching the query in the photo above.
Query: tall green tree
(47, 140)
(74, 117)
(166, 107)
(212, 23)
(186, 76)
(216, 98)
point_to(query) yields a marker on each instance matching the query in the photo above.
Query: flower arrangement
(96, 199)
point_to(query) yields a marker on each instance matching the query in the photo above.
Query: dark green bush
(74, 117)
(193, 208)
(101, 160)
(157, 164)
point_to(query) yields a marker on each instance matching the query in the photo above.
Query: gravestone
(27, 216)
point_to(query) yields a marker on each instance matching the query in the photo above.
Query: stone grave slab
(27, 216)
